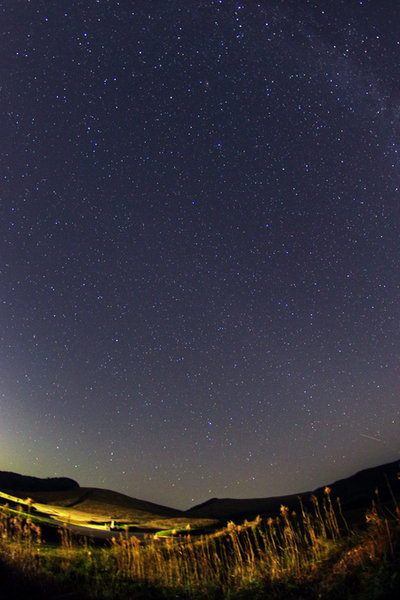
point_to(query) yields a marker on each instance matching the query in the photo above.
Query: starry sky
(200, 219)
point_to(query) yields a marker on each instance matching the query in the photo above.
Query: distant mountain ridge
(354, 492)
(25, 483)
(65, 492)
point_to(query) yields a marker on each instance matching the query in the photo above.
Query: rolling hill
(355, 492)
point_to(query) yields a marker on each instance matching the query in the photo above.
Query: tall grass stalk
(257, 555)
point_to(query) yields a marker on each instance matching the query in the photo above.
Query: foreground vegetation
(308, 555)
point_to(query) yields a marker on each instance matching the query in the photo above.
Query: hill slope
(106, 502)
(354, 492)
(66, 493)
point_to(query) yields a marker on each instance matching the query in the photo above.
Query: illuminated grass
(309, 555)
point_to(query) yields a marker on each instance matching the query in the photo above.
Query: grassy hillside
(105, 502)
(355, 492)
(303, 556)
(92, 506)
(314, 553)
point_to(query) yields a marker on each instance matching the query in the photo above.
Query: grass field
(310, 554)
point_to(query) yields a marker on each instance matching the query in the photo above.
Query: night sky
(200, 244)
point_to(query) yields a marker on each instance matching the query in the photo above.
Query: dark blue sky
(199, 276)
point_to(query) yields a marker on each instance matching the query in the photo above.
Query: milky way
(199, 276)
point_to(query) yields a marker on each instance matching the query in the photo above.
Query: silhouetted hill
(359, 489)
(13, 482)
(100, 501)
(233, 508)
(354, 492)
